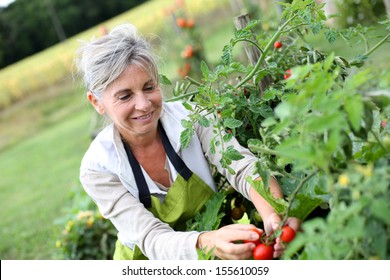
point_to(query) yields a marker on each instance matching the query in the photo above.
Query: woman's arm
(244, 168)
(266, 211)
(136, 224)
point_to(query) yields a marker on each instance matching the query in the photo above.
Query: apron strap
(177, 162)
(143, 190)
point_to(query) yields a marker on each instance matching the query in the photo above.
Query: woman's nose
(142, 103)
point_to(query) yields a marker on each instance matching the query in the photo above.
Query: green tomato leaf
(283, 110)
(323, 123)
(381, 209)
(278, 204)
(255, 145)
(233, 154)
(210, 218)
(303, 205)
(203, 121)
(328, 62)
(164, 80)
(227, 54)
(232, 123)
(187, 106)
(354, 108)
(205, 69)
(227, 137)
(186, 135)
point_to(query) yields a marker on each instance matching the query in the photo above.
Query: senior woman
(136, 171)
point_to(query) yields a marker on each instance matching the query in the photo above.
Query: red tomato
(278, 45)
(263, 252)
(181, 22)
(256, 242)
(190, 23)
(288, 234)
(288, 74)
(188, 52)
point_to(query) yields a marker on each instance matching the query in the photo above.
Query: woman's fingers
(230, 241)
(239, 232)
(294, 223)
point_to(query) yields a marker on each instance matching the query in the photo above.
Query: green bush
(85, 235)
(364, 12)
(320, 128)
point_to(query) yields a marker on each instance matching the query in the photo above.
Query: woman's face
(133, 102)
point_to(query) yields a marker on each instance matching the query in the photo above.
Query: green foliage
(321, 130)
(210, 218)
(86, 235)
(358, 225)
(351, 12)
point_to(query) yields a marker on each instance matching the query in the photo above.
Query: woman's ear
(95, 103)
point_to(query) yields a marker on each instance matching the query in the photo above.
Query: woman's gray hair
(101, 61)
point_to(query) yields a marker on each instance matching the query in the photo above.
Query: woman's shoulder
(102, 150)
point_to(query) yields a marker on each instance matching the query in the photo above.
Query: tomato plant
(191, 43)
(319, 131)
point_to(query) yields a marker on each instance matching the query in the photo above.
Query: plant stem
(249, 41)
(182, 96)
(294, 27)
(264, 53)
(268, 151)
(378, 140)
(187, 87)
(193, 81)
(294, 194)
(367, 53)
(365, 41)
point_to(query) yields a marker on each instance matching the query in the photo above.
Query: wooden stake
(252, 52)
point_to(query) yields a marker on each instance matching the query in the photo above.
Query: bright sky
(4, 3)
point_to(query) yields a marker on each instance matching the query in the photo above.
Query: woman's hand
(271, 219)
(272, 222)
(227, 241)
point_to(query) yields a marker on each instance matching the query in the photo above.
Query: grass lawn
(37, 175)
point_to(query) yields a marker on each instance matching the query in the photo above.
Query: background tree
(27, 27)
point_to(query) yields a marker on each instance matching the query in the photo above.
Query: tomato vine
(319, 131)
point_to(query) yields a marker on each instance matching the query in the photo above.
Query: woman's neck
(144, 143)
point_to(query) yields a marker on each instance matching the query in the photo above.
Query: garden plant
(320, 127)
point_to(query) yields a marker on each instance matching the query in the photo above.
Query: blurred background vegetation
(46, 124)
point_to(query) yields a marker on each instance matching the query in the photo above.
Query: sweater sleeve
(243, 168)
(136, 224)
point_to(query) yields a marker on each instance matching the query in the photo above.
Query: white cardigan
(108, 179)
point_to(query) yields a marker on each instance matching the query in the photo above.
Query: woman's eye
(149, 88)
(124, 97)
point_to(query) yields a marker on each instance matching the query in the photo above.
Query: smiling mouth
(144, 117)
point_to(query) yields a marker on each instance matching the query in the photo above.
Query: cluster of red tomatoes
(278, 45)
(264, 249)
(185, 23)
